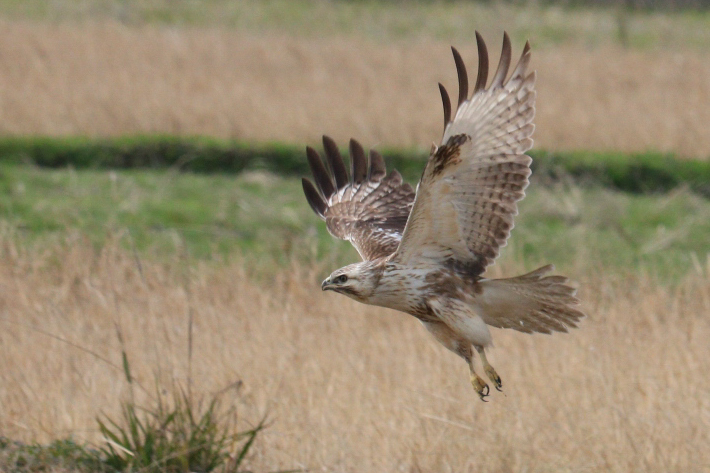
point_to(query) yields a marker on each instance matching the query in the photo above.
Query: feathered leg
(490, 372)
(462, 348)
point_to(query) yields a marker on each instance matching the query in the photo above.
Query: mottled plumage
(425, 253)
(369, 209)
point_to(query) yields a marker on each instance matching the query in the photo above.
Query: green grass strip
(637, 173)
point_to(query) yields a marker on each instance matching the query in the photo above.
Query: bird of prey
(425, 252)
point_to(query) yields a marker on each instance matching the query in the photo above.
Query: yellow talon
(490, 372)
(493, 376)
(480, 386)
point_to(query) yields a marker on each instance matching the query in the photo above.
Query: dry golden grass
(356, 388)
(107, 79)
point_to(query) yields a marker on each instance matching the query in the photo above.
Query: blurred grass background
(261, 215)
(150, 163)
(637, 23)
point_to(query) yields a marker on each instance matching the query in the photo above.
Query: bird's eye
(341, 279)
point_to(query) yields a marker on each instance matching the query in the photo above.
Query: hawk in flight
(424, 252)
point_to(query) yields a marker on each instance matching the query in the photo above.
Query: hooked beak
(325, 285)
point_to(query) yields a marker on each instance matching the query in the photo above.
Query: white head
(357, 281)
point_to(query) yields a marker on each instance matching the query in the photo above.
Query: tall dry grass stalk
(355, 388)
(107, 79)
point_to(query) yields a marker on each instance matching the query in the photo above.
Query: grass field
(389, 21)
(348, 387)
(211, 282)
(107, 78)
(265, 218)
(355, 388)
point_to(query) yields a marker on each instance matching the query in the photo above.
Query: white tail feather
(533, 302)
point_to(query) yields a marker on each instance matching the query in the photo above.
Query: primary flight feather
(425, 252)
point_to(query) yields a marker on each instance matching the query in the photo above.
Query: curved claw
(480, 387)
(493, 376)
(490, 372)
(496, 380)
(486, 389)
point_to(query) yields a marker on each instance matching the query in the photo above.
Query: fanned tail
(533, 302)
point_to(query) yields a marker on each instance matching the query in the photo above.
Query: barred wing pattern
(468, 194)
(369, 208)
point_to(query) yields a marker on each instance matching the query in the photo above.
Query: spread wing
(468, 194)
(370, 208)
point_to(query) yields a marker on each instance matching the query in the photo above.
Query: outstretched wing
(369, 209)
(468, 194)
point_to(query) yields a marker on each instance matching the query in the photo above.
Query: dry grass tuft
(108, 79)
(350, 387)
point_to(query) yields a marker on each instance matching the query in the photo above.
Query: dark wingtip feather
(320, 173)
(377, 166)
(358, 162)
(463, 76)
(336, 162)
(503, 64)
(314, 198)
(482, 77)
(395, 178)
(447, 104)
(522, 65)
